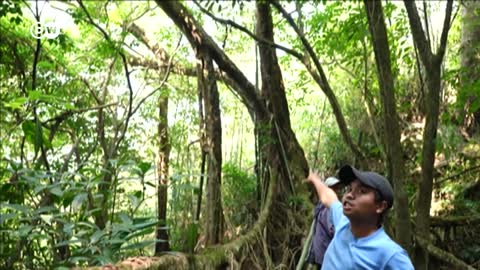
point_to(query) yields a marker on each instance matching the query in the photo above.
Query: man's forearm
(325, 194)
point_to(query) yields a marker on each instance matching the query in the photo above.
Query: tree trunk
(213, 146)
(470, 61)
(432, 63)
(395, 162)
(162, 174)
(279, 151)
(424, 198)
(282, 144)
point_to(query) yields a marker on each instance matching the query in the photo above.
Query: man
(360, 241)
(323, 229)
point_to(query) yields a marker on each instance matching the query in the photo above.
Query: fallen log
(454, 221)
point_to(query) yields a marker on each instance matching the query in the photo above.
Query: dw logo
(48, 30)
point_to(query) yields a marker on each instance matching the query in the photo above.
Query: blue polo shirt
(376, 251)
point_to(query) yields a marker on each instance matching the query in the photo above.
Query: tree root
(442, 254)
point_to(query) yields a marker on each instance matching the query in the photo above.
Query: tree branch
(442, 254)
(65, 114)
(419, 38)
(454, 221)
(138, 32)
(292, 52)
(321, 79)
(446, 27)
(473, 168)
(187, 71)
(162, 66)
(165, 78)
(197, 36)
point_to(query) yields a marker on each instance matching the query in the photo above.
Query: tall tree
(164, 148)
(394, 151)
(109, 145)
(212, 145)
(283, 148)
(273, 91)
(470, 63)
(432, 62)
(162, 174)
(315, 69)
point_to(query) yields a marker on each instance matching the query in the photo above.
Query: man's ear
(381, 207)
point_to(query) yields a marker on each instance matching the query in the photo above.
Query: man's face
(359, 203)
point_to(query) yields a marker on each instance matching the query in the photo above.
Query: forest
(179, 134)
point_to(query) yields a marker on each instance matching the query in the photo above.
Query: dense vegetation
(153, 126)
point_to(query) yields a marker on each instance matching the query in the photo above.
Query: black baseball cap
(347, 174)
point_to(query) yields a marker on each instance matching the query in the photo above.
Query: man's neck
(360, 230)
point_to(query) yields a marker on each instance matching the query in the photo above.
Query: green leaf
(47, 219)
(77, 259)
(144, 167)
(133, 200)
(37, 138)
(104, 259)
(18, 207)
(38, 189)
(45, 209)
(28, 128)
(97, 236)
(68, 228)
(34, 95)
(141, 232)
(37, 95)
(69, 106)
(88, 224)
(115, 242)
(57, 191)
(125, 218)
(148, 183)
(16, 103)
(139, 245)
(192, 234)
(475, 106)
(5, 217)
(24, 230)
(40, 137)
(78, 201)
(145, 224)
(45, 65)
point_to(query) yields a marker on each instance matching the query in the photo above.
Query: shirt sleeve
(336, 211)
(399, 260)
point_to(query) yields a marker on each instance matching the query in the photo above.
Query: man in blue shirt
(360, 242)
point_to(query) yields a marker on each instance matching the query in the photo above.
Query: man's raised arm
(325, 194)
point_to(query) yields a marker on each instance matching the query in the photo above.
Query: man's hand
(313, 177)
(326, 195)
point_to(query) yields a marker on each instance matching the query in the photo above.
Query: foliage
(65, 164)
(65, 222)
(239, 196)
